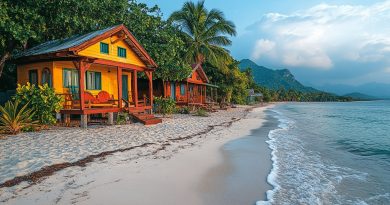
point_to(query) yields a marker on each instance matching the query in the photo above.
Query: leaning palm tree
(205, 33)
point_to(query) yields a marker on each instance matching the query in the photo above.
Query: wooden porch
(124, 98)
(191, 94)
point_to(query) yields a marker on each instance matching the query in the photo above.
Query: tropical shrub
(184, 110)
(13, 120)
(165, 106)
(122, 118)
(201, 112)
(42, 100)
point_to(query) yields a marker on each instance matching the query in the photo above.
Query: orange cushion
(103, 97)
(88, 97)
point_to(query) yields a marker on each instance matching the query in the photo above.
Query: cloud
(323, 35)
(263, 47)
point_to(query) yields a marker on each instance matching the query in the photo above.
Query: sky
(320, 42)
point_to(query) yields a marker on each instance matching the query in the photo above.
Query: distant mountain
(274, 79)
(378, 90)
(360, 96)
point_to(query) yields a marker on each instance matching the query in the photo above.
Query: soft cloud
(325, 34)
(263, 47)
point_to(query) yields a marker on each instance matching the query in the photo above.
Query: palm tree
(205, 33)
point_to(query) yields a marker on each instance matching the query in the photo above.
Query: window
(46, 77)
(182, 89)
(94, 80)
(122, 52)
(70, 78)
(103, 48)
(33, 77)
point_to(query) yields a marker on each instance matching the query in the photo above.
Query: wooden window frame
(123, 50)
(47, 70)
(102, 50)
(182, 89)
(97, 85)
(30, 78)
(72, 72)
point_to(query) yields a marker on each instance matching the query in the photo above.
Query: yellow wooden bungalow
(96, 73)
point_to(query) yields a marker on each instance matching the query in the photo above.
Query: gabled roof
(198, 67)
(76, 43)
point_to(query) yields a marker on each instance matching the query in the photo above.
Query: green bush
(122, 118)
(184, 110)
(42, 100)
(14, 119)
(201, 112)
(165, 106)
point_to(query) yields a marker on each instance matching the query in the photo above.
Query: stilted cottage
(96, 73)
(193, 91)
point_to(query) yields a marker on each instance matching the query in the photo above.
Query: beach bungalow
(96, 73)
(195, 90)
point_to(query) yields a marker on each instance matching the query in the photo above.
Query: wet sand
(241, 177)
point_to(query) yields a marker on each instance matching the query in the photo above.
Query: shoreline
(248, 161)
(120, 171)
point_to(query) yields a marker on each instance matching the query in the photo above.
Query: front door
(125, 87)
(173, 90)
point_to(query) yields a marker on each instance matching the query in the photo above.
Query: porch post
(201, 94)
(135, 87)
(110, 118)
(119, 81)
(188, 93)
(81, 84)
(83, 121)
(205, 94)
(150, 87)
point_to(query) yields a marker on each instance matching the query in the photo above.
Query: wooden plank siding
(23, 70)
(94, 51)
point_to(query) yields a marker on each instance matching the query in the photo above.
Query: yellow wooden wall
(94, 51)
(22, 71)
(109, 76)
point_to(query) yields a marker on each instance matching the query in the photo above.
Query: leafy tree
(20, 22)
(161, 39)
(24, 24)
(233, 83)
(204, 33)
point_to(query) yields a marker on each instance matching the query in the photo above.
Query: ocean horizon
(330, 153)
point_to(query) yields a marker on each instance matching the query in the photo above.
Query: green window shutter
(182, 89)
(75, 78)
(66, 77)
(104, 48)
(87, 79)
(98, 81)
(122, 52)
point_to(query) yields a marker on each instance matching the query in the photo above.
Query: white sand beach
(187, 162)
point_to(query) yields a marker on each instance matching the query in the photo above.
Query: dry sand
(200, 170)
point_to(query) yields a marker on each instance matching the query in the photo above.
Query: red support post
(119, 80)
(150, 76)
(135, 87)
(81, 83)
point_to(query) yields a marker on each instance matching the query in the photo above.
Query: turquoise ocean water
(330, 153)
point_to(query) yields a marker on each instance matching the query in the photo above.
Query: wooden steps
(146, 119)
(140, 114)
